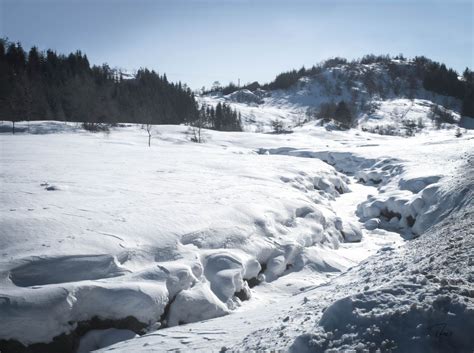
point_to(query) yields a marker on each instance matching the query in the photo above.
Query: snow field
(167, 235)
(193, 230)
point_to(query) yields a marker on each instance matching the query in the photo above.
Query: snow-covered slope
(413, 298)
(102, 236)
(378, 102)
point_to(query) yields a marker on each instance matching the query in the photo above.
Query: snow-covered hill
(385, 98)
(103, 238)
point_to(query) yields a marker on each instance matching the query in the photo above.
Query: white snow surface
(100, 225)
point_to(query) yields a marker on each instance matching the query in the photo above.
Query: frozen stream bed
(274, 301)
(240, 242)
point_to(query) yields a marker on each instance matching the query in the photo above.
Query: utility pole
(238, 83)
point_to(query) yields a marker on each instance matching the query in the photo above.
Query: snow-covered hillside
(103, 238)
(380, 98)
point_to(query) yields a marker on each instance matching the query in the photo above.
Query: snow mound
(59, 309)
(226, 273)
(404, 317)
(350, 231)
(381, 172)
(195, 304)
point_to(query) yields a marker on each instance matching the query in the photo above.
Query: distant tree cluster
(222, 117)
(47, 86)
(286, 79)
(440, 115)
(283, 80)
(339, 113)
(230, 88)
(439, 79)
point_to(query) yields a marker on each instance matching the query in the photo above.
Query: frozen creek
(206, 246)
(271, 301)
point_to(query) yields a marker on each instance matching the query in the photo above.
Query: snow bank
(40, 271)
(382, 171)
(38, 314)
(226, 272)
(408, 211)
(350, 231)
(406, 204)
(195, 304)
(344, 162)
(417, 298)
(396, 318)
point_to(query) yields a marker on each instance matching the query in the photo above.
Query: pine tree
(343, 115)
(53, 86)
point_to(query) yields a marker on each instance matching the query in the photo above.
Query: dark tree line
(222, 117)
(439, 79)
(49, 86)
(339, 113)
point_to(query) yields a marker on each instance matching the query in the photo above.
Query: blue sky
(200, 41)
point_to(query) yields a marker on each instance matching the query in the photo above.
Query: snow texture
(319, 239)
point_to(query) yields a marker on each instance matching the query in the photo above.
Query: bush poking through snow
(95, 127)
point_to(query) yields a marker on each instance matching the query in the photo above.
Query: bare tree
(196, 133)
(147, 116)
(149, 128)
(197, 126)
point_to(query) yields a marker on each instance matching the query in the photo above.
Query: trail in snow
(373, 239)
